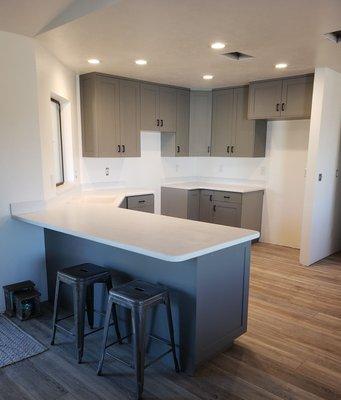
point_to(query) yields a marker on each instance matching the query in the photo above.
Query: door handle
(214, 208)
(232, 147)
(142, 201)
(162, 122)
(226, 197)
(277, 107)
(228, 149)
(210, 197)
(283, 106)
(119, 148)
(208, 149)
(157, 122)
(178, 149)
(123, 148)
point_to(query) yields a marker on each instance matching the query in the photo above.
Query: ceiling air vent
(334, 36)
(237, 56)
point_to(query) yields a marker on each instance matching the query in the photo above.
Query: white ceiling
(174, 36)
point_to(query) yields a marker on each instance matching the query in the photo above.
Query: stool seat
(83, 272)
(138, 293)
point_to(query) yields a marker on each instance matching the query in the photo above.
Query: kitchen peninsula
(205, 266)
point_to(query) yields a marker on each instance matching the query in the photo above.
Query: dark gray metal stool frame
(138, 296)
(83, 300)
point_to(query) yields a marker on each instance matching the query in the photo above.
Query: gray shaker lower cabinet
(143, 203)
(180, 203)
(242, 210)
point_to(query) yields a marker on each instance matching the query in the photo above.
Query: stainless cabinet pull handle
(157, 122)
(123, 148)
(283, 106)
(119, 148)
(214, 208)
(226, 197)
(162, 122)
(228, 149)
(178, 149)
(277, 107)
(232, 147)
(142, 201)
(208, 149)
(210, 197)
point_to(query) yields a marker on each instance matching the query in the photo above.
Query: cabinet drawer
(141, 203)
(229, 197)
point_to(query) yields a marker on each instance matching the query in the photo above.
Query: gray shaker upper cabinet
(200, 123)
(265, 99)
(100, 115)
(288, 98)
(182, 123)
(233, 135)
(167, 109)
(130, 137)
(223, 115)
(158, 108)
(150, 107)
(297, 96)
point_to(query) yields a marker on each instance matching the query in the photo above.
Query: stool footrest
(117, 341)
(86, 334)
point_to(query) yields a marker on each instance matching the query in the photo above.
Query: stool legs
(55, 310)
(90, 305)
(171, 332)
(79, 313)
(138, 320)
(105, 335)
(114, 313)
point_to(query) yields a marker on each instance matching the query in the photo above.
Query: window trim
(61, 141)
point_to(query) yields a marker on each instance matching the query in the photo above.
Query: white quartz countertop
(98, 218)
(238, 188)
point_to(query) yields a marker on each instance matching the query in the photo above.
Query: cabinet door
(205, 208)
(107, 116)
(265, 99)
(182, 123)
(249, 136)
(226, 214)
(223, 115)
(297, 97)
(167, 109)
(193, 204)
(149, 107)
(200, 123)
(130, 118)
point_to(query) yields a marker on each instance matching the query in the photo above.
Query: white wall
(321, 229)
(22, 253)
(286, 152)
(55, 80)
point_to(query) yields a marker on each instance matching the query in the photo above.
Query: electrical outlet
(107, 171)
(320, 177)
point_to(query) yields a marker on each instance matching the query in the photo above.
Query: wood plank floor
(292, 349)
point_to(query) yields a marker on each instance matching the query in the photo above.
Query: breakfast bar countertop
(99, 219)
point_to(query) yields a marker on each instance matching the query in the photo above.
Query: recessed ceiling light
(207, 77)
(218, 45)
(93, 61)
(140, 62)
(281, 65)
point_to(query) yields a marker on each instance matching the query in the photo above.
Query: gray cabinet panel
(206, 205)
(167, 113)
(265, 99)
(223, 116)
(143, 203)
(297, 97)
(200, 123)
(130, 118)
(193, 204)
(182, 123)
(149, 107)
(226, 213)
(107, 116)
(244, 135)
(89, 129)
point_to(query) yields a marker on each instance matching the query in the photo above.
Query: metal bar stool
(82, 278)
(138, 296)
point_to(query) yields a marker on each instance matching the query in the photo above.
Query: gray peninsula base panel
(209, 294)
